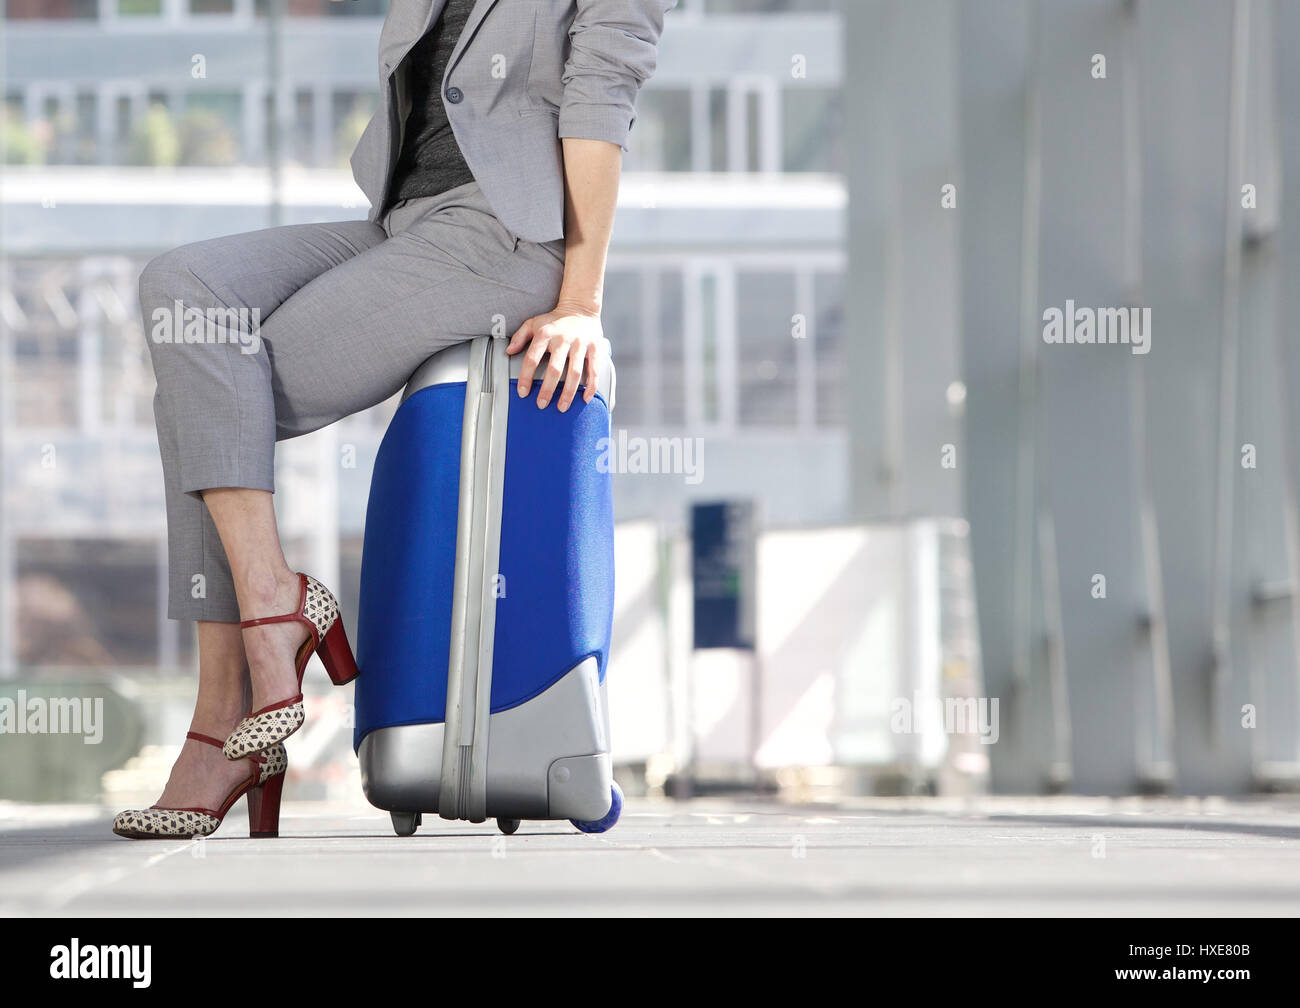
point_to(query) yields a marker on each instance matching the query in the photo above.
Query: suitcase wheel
(507, 826)
(406, 823)
(609, 818)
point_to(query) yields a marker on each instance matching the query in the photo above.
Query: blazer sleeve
(612, 50)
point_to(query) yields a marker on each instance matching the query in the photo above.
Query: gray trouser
(266, 335)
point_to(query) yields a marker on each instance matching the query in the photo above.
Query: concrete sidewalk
(985, 857)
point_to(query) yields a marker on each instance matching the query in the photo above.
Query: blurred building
(132, 126)
(1132, 508)
(841, 225)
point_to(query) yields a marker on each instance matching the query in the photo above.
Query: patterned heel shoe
(264, 786)
(318, 610)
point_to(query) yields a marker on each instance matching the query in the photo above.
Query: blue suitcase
(487, 598)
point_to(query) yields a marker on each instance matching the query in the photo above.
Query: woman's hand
(576, 342)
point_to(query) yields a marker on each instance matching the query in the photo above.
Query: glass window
(661, 135)
(209, 130)
(811, 129)
(58, 128)
(85, 136)
(126, 374)
(753, 126)
(42, 395)
(621, 319)
(154, 138)
(123, 124)
(271, 138)
(22, 143)
(766, 368)
(51, 10)
(717, 130)
(672, 356)
(325, 8)
(349, 112)
(303, 151)
(771, 6)
(709, 339)
(828, 347)
(86, 602)
(354, 8)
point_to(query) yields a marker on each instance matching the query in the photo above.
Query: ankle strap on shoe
(257, 758)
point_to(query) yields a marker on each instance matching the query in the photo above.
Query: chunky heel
(264, 808)
(336, 655)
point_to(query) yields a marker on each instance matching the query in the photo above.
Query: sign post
(724, 582)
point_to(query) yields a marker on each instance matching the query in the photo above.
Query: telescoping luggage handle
(463, 789)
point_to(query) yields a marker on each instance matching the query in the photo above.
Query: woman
(492, 203)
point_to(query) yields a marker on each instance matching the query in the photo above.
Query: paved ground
(906, 857)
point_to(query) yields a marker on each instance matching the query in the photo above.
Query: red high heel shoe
(318, 610)
(264, 787)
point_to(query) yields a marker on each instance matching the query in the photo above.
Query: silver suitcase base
(548, 758)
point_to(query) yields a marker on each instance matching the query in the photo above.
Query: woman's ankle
(266, 593)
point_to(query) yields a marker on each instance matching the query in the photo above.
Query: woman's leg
(204, 305)
(202, 777)
(264, 586)
(340, 343)
(264, 268)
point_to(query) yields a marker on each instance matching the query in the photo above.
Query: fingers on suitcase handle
(590, 372)
(576, 365)
(557, 363)
(554, 373)
(537, 351)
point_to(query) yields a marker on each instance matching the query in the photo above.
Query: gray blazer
(524, 73)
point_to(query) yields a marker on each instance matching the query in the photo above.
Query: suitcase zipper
(463, 793)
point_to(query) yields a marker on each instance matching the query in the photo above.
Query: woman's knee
(162, 282)
(170, 275)
(172, 289)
